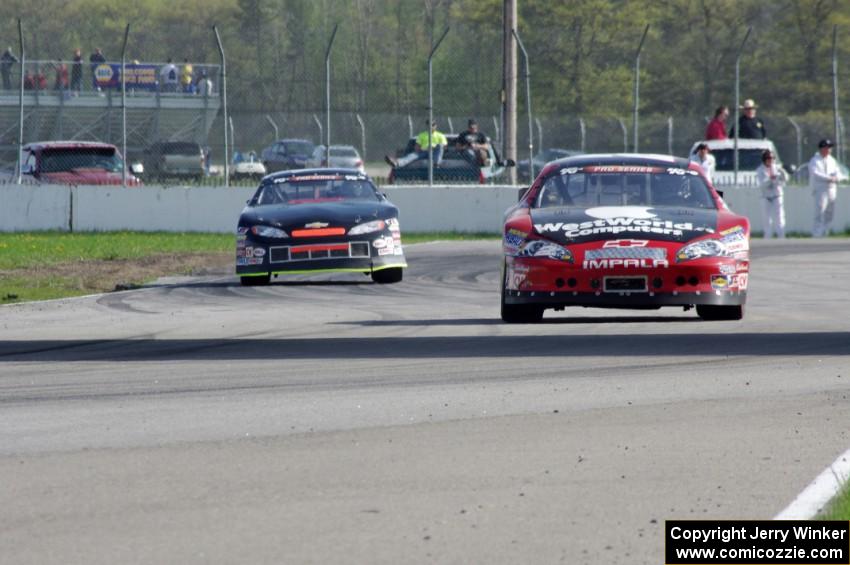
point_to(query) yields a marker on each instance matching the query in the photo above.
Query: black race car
(318, 220)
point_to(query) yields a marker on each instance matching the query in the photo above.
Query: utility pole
(509, 76)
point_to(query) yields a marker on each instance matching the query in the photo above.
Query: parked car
(342, 156)
(77, 162)
(287, 154)
(542, 157)
(318, 221)
(454, 168)
(749, 159)
(623, 231)
(247, 166)
(166, 159)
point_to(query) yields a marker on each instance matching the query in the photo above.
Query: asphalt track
(332, 420)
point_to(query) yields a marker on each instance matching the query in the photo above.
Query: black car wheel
(719, 313)
(388, 276)
(261, 280)
(519, 313)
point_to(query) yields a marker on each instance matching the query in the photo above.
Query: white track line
(820, 491)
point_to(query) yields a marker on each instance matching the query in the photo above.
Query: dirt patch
(104, 276)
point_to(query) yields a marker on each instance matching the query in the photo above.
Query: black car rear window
(313, 188)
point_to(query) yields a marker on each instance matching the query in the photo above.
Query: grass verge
(839, 507)
(45, 265)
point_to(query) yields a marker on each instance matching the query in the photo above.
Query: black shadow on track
(383, 347)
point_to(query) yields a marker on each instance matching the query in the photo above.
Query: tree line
(581, 51)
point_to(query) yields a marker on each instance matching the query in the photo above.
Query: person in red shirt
(716, 128)
(61, 76)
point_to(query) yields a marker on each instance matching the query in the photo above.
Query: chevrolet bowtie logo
(626, 243)
(316, 225)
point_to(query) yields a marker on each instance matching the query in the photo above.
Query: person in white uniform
(824, 175)
(703, 157)
(771, 179)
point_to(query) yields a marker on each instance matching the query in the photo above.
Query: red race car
(624, 231)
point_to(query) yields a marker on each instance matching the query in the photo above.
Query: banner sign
(139, 77)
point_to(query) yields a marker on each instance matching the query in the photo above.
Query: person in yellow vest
(187, 77)
(438, 143)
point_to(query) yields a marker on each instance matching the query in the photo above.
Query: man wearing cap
(473, 144)
(703, 157)
(824, 175)
(749, 125)
(771, 179)
(438, 142)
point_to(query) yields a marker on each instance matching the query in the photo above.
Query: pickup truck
(77, 162)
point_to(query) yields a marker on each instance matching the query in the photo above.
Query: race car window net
(589, 189)
(299, 192)
(67, 159)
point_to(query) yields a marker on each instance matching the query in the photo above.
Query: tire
(519, 313)
(388, 276)
(261, 280)
(720, 313)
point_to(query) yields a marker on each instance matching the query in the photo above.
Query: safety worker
(438, 142)
(824, 176)
(702, 156)
(771, 179)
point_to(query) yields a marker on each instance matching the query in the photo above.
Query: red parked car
(624, 231)
(77, 162)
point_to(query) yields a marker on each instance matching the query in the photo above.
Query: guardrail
(457, 208)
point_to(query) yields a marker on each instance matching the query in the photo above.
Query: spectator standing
(96, 59)
(750, 126)
(716, 128)
(40, 79)
(421, 148)
(473, 144)
(77, 71)
(61, 82)
(29, 80)
(824, 175)
(771, 179)
(186, 77)
(7, 60)
(702, 156)
(205, 85)
(168, 78)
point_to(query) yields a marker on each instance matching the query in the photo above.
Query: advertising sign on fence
(139, 77)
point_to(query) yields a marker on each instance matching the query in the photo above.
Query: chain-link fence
(173, 121)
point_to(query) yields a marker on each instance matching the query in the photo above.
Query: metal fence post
(431, 107)
(738, 100)
(274, 127)
(451, 125)
(124, 105)
(319, 125)
(497, 130)
(637, 87)
(539, 133)
(362, 136)
(224, 104)
(527, 103)
(328, 96)
(835, 117)
(583, 131)
(409, 126)
(625, 135)
(799, 133)
(21, 103)
(232, 134)
(670, 135)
